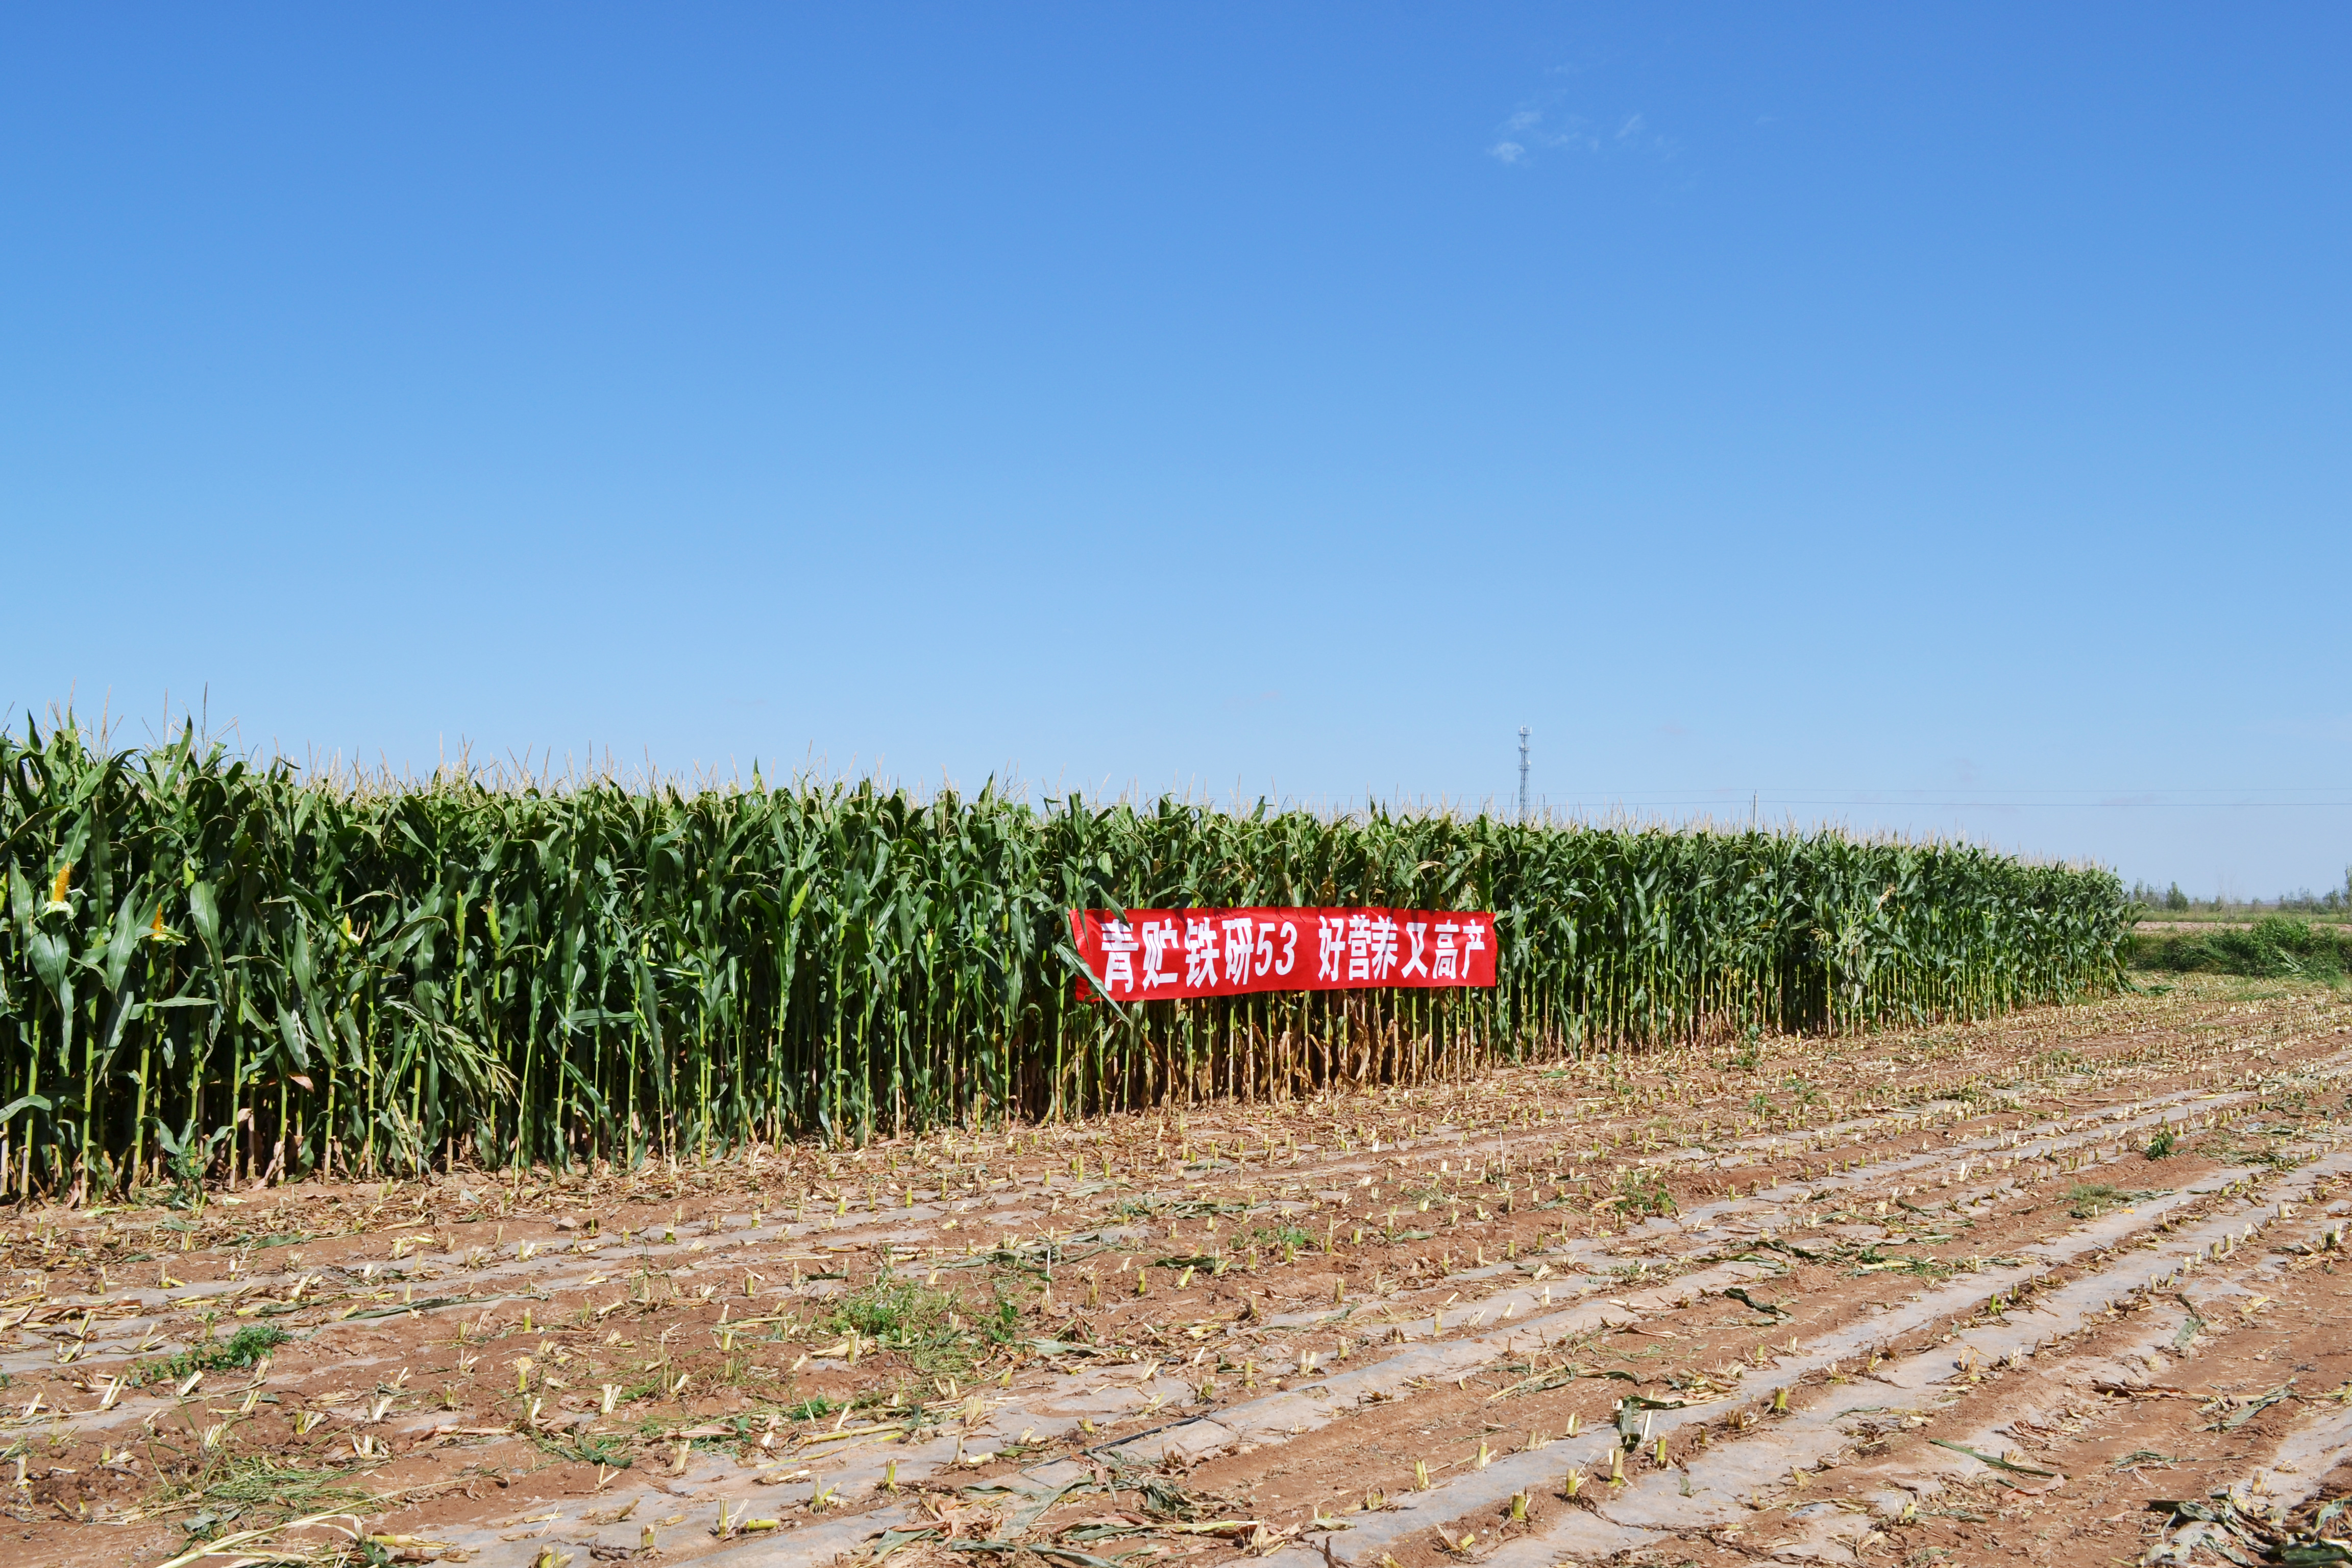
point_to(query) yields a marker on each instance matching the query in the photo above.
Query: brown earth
(1969, 1293)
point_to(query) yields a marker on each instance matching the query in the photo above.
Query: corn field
(215, 969)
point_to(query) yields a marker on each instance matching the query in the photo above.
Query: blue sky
(1920, 417)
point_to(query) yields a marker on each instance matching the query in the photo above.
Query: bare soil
(1968, 1293)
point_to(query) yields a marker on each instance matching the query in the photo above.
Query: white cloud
(1544, 126)
(1524, 133)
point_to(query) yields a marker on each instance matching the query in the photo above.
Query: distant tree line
(2302, 901)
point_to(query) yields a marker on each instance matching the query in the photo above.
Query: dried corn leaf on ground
(1985, 1289)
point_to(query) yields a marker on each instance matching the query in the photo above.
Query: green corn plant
(347, 975)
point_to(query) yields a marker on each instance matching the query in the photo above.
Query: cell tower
(1523, 773)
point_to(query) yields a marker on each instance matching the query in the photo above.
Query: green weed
(2089, 1200)
(600, 1448)
(1643, 1193)
(1287, 1239)
(2273, 947)
(231, 1487)
(814, 1408)
(921, 1323)
(240, 1350)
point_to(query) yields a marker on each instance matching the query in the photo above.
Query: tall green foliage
(211, 965)
(2272, 946)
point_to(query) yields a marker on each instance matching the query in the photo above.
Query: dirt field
(1963, 1295)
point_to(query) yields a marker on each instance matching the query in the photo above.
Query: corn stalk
(213, 963)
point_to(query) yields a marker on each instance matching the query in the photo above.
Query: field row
(1964, 1289)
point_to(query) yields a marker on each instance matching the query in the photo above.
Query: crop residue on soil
(2065, 1287)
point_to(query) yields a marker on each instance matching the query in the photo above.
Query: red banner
(1152, 955)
